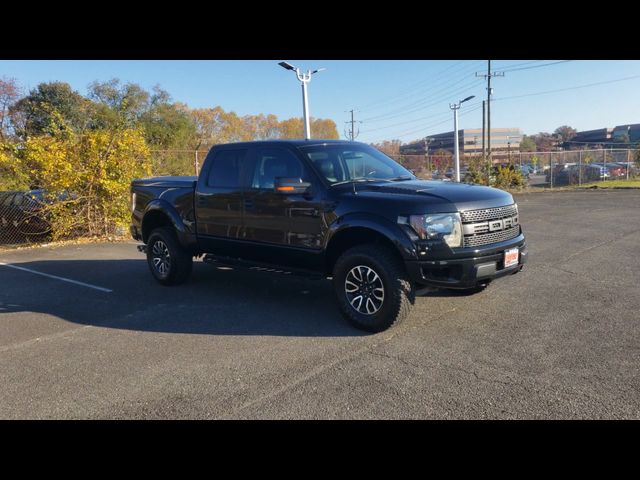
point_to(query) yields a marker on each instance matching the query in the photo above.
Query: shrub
(86, 177)
(507, 177)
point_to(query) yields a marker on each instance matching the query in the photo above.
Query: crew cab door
(218, 200)
(284, 229)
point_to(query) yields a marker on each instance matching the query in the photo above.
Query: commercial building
(605, 137)
(469, 142)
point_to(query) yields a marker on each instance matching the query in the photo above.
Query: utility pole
(488, 76)
(484, 133)
(427, 141)
(352, 135)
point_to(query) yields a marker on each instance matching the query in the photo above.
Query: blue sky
(405, 99)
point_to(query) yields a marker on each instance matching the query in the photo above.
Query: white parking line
(55, 277)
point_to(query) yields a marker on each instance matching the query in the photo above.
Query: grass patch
(631, 183)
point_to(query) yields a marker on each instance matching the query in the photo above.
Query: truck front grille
(471, 216)
(491, 225)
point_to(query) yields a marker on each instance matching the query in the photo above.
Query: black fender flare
(186, 237)
(392, 231)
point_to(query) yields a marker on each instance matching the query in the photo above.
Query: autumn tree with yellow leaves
(85, 150)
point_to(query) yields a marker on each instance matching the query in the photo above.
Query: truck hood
(436, 196)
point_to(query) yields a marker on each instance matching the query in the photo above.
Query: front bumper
(484, 266)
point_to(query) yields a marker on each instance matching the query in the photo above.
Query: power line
(406, 92)
(425, 127)
(519, 64)
(442, 114)
(420, 104)
(568, 88)
(536, 66)
(434, 90)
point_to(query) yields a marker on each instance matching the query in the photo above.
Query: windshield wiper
(363, 179)
(397, 179)
(358, 180)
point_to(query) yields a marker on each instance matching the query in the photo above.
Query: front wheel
(372, 287)
(169, 263)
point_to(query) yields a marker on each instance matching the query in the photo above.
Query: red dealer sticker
(510, 257)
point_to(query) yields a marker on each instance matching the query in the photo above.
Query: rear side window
(226, 169)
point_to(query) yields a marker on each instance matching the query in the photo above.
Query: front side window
(342, 163)
(272, 163)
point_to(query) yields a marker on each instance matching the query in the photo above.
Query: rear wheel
(372, 287)
(169, 263)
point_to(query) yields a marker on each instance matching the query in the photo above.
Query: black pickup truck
(329, 209)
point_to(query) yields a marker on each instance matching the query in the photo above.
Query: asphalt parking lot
(561, 339)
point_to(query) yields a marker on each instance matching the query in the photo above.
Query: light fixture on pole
(456, 148)
(304, 79)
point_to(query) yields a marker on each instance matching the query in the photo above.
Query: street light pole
(456, 148)
(304, 78)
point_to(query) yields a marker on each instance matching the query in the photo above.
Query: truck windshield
(350, 163)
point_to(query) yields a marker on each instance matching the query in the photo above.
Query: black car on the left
(23, 215)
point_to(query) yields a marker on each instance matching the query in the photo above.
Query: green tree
(527, 144)
(545, 142)
(167, 127)
(565, 132)
(51, 108)
(118, 103)
(9, 94)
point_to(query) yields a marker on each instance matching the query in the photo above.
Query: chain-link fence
(540, 169)
(177, 162)
(23, 218)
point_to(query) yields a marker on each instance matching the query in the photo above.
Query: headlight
(446, 226)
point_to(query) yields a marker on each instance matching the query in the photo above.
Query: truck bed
(167, 182)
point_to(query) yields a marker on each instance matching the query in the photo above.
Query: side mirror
(291, 186)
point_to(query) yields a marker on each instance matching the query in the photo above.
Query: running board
(260, 267)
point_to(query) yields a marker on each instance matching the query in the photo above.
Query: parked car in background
(562, 174)
(597, 171)
(525, 170)
(617, 169)
(23, 214)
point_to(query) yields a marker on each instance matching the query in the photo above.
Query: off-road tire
(398, 290)
(180, 262)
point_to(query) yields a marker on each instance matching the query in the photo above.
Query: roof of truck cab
(298, 142)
